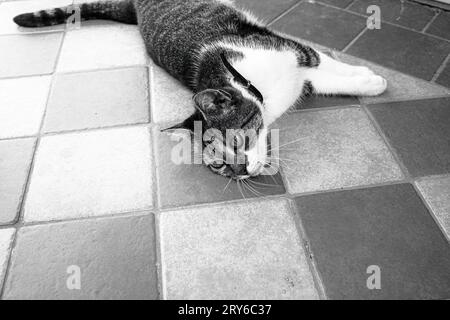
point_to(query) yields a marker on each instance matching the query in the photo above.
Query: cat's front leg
(334, 77)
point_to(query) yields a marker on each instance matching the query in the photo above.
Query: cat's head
(234, 134)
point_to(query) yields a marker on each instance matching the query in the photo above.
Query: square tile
(436, 192)
(9, 10)
(171, 101)
(319, 101)
(333, 149)
(104, 46)
(390, 45)
(419, 132)
(324, 25)
(115, 259)
(98, 99)
(404, 13)
(386, 227)
(400, 86)
(22, 105)
(15, 160)
(266, 10)
(440, 26)
(235, 251)
(6, 237)
(91, 174)
(187, 184)
(444, 77)
(31, 54)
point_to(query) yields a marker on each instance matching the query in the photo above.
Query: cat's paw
(361, 71)
(372, 85)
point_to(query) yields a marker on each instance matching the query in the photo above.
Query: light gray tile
(102, 46)
(171, 102)
(98, 99)
(15, 160)
(333, 149)
(31, 54)
(22, 105)
(436, 192)
(91, 174)
(234, 251)
(114, 258)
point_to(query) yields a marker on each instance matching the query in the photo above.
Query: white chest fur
(276, 74)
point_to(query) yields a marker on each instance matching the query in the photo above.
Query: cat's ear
(211, 101)
(188, 124)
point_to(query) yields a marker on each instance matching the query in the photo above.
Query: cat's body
(189, 38)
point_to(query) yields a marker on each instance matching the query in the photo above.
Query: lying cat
(244, 75)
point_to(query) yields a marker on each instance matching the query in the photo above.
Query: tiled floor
(90, 197)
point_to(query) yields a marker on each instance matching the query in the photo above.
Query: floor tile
(390, 45)
(98, 99)
(266, 10)
(419, 132)
(400, 86)
(324, 25)
(21, 114)
(440, 26)
(333, 149)
(9, 10)
(171, 101)
(388, 227)
(186, 184)
(15, 160)
(16, 58)
(436, 192)
(315, 102)
(6, 237)
(91, 174)
(404, 13)
(103, 46)
(444, 77)
(234, 251)
(115, 259)
(337, 3)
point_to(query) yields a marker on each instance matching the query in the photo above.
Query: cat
(243, 75)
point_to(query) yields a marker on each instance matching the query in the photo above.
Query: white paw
(371, 85)
(362, 71)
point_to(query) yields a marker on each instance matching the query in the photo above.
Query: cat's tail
(121, 11)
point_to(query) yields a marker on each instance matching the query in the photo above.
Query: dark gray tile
(15, 160)
(420, 133)
(321, 24)
(404, 13)
(98, 99)
(403, 50)
(266, 9)
(441, 26)
(444, 77)
(186, 184)
(115, 258)
(388, 227)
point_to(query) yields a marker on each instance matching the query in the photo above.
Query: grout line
(441, 68)
(308, 253)
(436, 14)
(285, 13)
(359, 35)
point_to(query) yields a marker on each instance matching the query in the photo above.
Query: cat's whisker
(253, 190)
(228, 184)
(253, 182)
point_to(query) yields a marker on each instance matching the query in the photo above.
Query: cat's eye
(217, 165)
